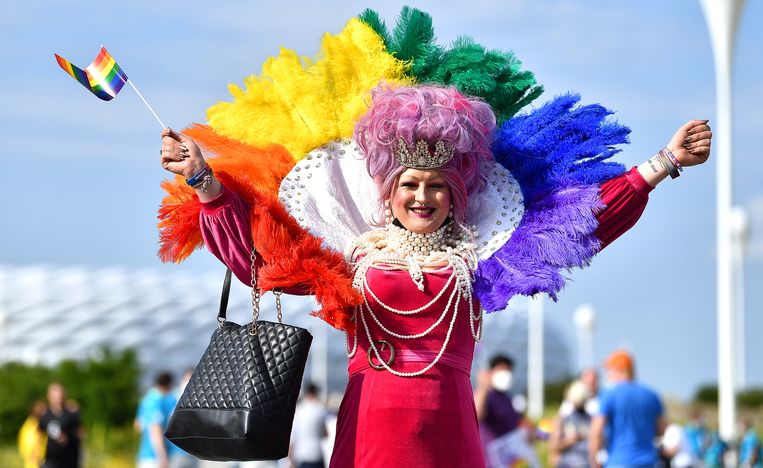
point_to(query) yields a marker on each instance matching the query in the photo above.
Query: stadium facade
(52, 313)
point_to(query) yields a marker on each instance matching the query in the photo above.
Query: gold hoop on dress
(380, 344)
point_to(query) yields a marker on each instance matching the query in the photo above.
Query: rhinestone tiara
(418, 155)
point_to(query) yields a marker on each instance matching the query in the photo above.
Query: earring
(450, 213)
(387, 212)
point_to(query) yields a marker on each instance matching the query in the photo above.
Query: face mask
(502, 380)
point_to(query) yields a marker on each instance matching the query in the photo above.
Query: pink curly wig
(428, 113)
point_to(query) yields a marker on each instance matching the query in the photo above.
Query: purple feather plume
(560, 155)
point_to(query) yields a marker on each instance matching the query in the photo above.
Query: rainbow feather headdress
(557, 155)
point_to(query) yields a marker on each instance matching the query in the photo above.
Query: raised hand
(180, 154)
(691, 143)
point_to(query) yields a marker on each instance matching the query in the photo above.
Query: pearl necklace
(401, 249)
(393, 248)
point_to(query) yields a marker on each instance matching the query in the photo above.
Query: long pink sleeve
(225, 229)
(625, 198)
(226, 232)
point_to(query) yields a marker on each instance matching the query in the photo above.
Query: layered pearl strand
(394, 248)
(402, 249)
(407, 243)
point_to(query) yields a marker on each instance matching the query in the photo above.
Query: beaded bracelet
(673, 159)
(196, 178)
(206, 181)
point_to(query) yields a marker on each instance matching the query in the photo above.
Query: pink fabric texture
(428, 420)
(624, 198)
(423, 421)
(226, 232)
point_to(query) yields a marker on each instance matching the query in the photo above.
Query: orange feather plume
(266, 167)
(179, 231)
(293, 258)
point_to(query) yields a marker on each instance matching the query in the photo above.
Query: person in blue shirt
(179, 458)
(154, 412)
(697, 433)
(632, 416)
(750, 451)
(715, 452)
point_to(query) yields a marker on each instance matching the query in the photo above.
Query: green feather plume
(492, 75)
(413, 38)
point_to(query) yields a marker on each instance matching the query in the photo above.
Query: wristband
(668, 165)
(673, 159)
(197, 178)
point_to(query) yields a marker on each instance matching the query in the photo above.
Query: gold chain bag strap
(239, 404)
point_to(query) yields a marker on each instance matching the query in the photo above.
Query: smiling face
(420, 200)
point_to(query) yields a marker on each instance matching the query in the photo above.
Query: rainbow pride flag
(103, 77)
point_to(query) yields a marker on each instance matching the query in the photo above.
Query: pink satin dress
(429, 420)
(423, 421)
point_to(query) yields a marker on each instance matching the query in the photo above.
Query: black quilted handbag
(239, 404)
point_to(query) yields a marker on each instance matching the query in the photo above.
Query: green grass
(9, 458)
(105, 448)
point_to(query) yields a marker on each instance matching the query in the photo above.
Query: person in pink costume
(409, 400)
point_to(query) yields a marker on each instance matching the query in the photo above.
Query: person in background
(590, 378)
(153, 415)
(63, 429)
(501, 416)
(184, 379)
(632, 415)
(31, 442)
(697, 433)
(308, 430)
(179, 458)
(333, 403)
(676, 449)
(569, 439)
(750, 451)
(716, 451)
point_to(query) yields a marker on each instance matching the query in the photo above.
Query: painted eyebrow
(409, 178)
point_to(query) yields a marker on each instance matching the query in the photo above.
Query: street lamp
(535, 358)
(740, 235)
(722, 18)
(585, 322)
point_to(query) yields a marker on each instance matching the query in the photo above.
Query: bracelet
(674, 172)
(196, 178)
(668, 165)
(673, 159)
(206, 181)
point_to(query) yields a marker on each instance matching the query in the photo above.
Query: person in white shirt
(590, 377)
(676, 446)
(308, 430)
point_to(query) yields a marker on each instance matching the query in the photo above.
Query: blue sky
(80, 178)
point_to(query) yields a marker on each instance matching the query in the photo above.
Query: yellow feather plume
(301, 103)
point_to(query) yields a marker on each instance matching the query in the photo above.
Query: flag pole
(146, 103)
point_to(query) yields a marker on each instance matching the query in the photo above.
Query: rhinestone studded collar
(330, 193)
